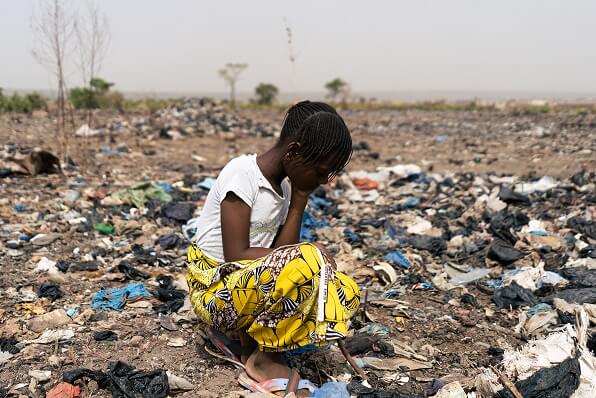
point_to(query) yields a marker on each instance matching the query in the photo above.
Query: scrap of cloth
(274, 298)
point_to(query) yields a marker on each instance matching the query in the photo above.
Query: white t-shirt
(269, 210)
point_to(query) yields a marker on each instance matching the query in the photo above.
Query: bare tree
(230, 73)
(292, 55)
(93, 38)
(52, 24)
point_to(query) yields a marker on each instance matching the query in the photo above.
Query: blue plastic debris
(538, 232)
(71, 312)
(351, 236)
(318, 202)
(538, 308)
(115, 299)
(167, 187)
(423, 286)
(24, 238)
(391, 293)
(207, 183)
(390, 230)
(309, 224)
(396, 257)
(332, 390)
(21, 208)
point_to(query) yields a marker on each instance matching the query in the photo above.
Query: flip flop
(290, 385)
(230, 351)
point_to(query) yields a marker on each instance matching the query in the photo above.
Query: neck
(271, 166)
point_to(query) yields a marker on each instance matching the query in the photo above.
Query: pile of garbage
(186, 117)
(474, 284)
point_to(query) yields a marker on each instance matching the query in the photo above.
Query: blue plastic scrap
(396, 257)
(332, 390)
(167, 187)
(538, 308)
(207, 183)
(115, 299)
(309, 224)
(351, 236)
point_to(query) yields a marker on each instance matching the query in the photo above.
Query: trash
(104, 229)
(105, 335)
(52, 336)
(50, 320)
(386, 273)
(179, 211)
(332, 390)
(177, 383)
(123, 381)
(391, 363)
(131, 272)
(583, 226)
(451, 390)
(396, 257)
(207, 183)
(556, 382)
(9, 345)
(50, 290)
(514, 296)
(84, 266)
(40, 375)
(172, 298)
(44, 239)
(139, 194)
(64, 390)
(365, 183)
(169, 241)
(116, 299)
(543, 184)
(176, 342)
(510, 197)
(502, 251)
(433, 245)
(469, 277)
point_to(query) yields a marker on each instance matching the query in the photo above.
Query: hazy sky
(178, 45)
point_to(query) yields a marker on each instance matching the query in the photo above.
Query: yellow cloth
(274, 298)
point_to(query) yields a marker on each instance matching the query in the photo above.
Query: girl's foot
(263, 366)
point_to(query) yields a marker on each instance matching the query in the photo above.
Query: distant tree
(337, 90)
(100, 85)
(84, 98)
(266, 93)
(230, 73)
(53, 29)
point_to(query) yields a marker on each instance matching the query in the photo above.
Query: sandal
(290, 385)
(230, 351)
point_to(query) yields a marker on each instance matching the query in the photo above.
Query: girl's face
(308, 176)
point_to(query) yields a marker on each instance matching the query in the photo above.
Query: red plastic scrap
(64, 390)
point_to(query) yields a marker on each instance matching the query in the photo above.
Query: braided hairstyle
(321, 132)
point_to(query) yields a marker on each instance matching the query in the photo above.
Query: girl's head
(317, 144)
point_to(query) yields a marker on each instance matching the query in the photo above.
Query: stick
(507, 383)
(351, 361)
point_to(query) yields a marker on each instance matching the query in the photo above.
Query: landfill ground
(453, 332)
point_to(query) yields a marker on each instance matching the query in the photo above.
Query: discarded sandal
(290, 385)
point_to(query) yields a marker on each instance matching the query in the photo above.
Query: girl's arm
(289, 233)
(235, 229)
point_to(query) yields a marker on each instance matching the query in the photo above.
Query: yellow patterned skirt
(274, 299)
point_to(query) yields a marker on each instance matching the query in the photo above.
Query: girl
(247, 271)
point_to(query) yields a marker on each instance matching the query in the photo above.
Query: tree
(53, 28)
(93, 38)
(230, 73)
(266, 93)
(338, 89)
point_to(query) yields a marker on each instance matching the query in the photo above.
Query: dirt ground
(455, 339)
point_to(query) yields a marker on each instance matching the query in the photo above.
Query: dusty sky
(376, 45)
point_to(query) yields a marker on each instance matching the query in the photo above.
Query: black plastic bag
(514, 296)
(84, 266)
(179, 211)
(557, 382)
(510, 197)
(131, 272)
(169, 241)
(105, 335)
(9, 345)
(502, 251)
(123, 381)
(436, 246)
(578, 296)
(582, 226)
(172, 298)
(50, 290)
